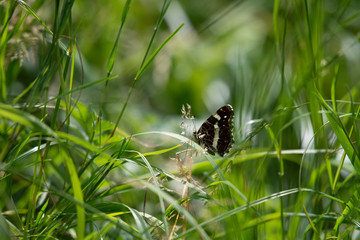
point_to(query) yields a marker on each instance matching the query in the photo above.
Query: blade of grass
(311, 223)
(3, 42)
(83, 86)
(111, 60)
(27, 8)
(341, 133)
(138, 75)
(276, 21)
(25, 119)
(342, 160)
(151, 58)
(258, 202)
(179, 208)
(157, 185)
(333, 88)
(157, 26)
(4, 229)
(76, 185)
(110, 66)
(280, 174)
(349, 209)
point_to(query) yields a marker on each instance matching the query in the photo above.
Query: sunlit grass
(88, 151)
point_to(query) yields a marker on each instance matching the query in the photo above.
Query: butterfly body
(215, 134)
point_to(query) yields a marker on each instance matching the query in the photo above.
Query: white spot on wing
(217, 116)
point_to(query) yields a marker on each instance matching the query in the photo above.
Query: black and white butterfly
(216, 133)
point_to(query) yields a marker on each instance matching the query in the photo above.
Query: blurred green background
(225, 53)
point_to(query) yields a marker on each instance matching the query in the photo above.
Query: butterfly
(216, 133)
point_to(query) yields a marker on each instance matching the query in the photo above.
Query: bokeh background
(225, 53)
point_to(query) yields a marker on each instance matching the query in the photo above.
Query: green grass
(90, 119)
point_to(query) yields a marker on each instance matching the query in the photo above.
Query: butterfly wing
(215, 134)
